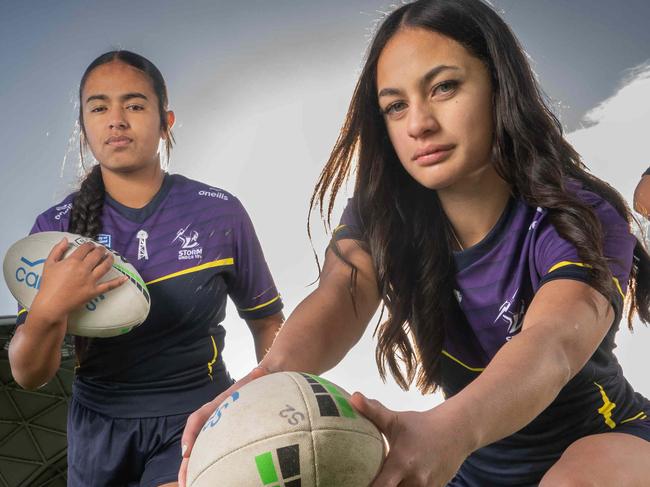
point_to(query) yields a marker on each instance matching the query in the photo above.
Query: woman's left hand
(425, 448)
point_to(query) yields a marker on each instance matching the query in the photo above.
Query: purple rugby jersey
(193, 245)
(496, 281)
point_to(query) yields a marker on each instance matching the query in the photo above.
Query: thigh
(100, 449)
(605, 459)
(164, 458)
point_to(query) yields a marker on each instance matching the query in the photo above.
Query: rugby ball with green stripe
(113, 313)
(286, 429)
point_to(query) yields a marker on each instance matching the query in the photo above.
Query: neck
(474, 207)
(133, 189)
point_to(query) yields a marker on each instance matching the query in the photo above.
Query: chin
(433, 183)
(123, 167)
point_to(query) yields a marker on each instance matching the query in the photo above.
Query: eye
(394, 109)
(135, 108)
(98, 109)
(446, 87)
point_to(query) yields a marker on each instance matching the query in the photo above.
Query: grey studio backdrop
(260, 89)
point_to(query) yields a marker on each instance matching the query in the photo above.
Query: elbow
(29, 377)
(641, 199)
(569, 360)
(641, 207)
(566, 371)
(637, 204)
(29, 382)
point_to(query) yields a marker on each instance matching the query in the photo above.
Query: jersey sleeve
(350, 226)
(647, 172)
(252, 289)
(557, 258)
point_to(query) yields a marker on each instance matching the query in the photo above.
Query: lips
(118, 140)
(432, 154)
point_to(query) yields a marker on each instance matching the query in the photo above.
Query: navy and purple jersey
(495, 282)
(194, 245)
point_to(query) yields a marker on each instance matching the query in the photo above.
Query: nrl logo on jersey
(190, 247)
(105, 239)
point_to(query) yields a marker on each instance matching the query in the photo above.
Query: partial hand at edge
(197, 419)
(424, 450)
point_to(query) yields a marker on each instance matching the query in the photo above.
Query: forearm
(522, 380)
(563, 327)
(320, 331)
(35, 350)
(264, 331)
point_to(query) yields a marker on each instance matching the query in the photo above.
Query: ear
(171, 118)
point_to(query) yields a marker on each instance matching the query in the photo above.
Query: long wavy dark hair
(416, 273)
(85, 217)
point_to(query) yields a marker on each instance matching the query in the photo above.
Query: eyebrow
(431, 74)
(125, 97)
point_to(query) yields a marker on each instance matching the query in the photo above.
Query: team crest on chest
(511, 314)
(190, 246)
(142, 237)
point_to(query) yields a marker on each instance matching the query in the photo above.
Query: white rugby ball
(286, 429)
(113, 313)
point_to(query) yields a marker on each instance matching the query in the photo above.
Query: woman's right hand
(198, 418)
(68, 284)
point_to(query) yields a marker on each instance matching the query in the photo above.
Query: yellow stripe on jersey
(23, 310)
(339, 228)
(618, 286)
(641, 415)
(260, 306)
(565, 263)
(214, 358)
(207, 265)
(606, 409)
(473, 369)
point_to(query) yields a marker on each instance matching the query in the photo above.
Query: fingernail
(183, 450)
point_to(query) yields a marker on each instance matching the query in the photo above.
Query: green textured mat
(33, 423)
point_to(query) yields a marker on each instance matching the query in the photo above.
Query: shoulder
(55, 218)
(604, 210)
(551, 247)
(205, 197)
(350, 224)
(607, 214)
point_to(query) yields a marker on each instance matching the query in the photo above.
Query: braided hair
(85, 218)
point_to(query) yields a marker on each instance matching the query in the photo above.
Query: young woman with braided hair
(502, 264)
(194, 245)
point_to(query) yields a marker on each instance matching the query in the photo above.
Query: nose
(117, 120)
(421, 120)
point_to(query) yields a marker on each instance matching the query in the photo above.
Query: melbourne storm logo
(190, 247)
(513, 316)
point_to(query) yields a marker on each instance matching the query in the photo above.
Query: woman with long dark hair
(502, 263)
(193, 244)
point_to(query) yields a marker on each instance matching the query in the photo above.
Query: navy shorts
(531, 469)
(105, 451)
